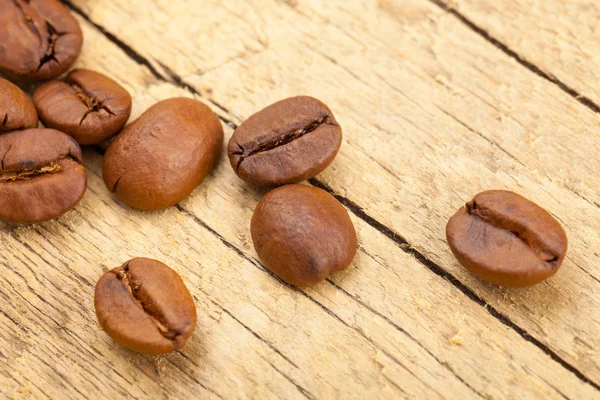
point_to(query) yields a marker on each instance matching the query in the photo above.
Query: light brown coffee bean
(507, 240)
(86, 105)
(288, 142)
(302, 234)
(41, 176)
(145, 306)
(159, 158)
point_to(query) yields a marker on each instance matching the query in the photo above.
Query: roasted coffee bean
(288, 142)
(16, 109)
(159, 158)
(302, 234)
(41, 176)
(145, 306)
(506, 240)
(39, 39)
(86, 105)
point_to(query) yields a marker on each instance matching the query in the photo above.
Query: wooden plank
(561, 38)
(256, 337)
(436, 115)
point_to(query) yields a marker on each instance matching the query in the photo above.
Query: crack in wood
(78, 277)
(481, 135)
(44, 314)
(405, 333)
(178, 81)
(134, 55)
(514, 55)
(305, 392)
(438, 270)
(271, 346)
(194, 378)
(15, 322)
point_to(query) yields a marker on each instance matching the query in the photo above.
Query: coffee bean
(86, 105)
(506, 240)
(302, 234)
(16, 109)
(288, 142)
(159, 158)
(145, 306)
(41, 176)
(39, 39)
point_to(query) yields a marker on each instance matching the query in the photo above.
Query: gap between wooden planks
(541, 126)
(561, 37)
(226, 229)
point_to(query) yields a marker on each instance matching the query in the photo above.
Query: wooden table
(438, 100)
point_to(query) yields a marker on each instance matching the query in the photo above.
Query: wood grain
(425, 128)
(561, 38)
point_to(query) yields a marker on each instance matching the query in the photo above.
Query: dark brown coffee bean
(16, 109)
(86, 105)
(41, 176)
(302, 234)
(145, 306)
(39, 39)
(288, 142)
(506, 240)
(159, 158)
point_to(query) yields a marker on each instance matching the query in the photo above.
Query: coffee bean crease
(281, 140)
(114, 188)
(23, 165)
(489, 216)
(49, 55)
(24, 174)
(133, 287)
(93, 104)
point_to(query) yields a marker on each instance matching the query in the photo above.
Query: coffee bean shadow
(546, 296)
(256, 192)
(68, 220)
(221, 174)
(147, 364)
(24, 85)
(156, 366)
(136, 211)
(7, 227)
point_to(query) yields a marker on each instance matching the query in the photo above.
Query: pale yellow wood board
(560, 37)
(388, 326)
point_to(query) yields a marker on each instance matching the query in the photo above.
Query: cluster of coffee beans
(301, 233)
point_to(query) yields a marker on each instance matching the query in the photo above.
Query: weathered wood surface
(432, 113)
(561, 38)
